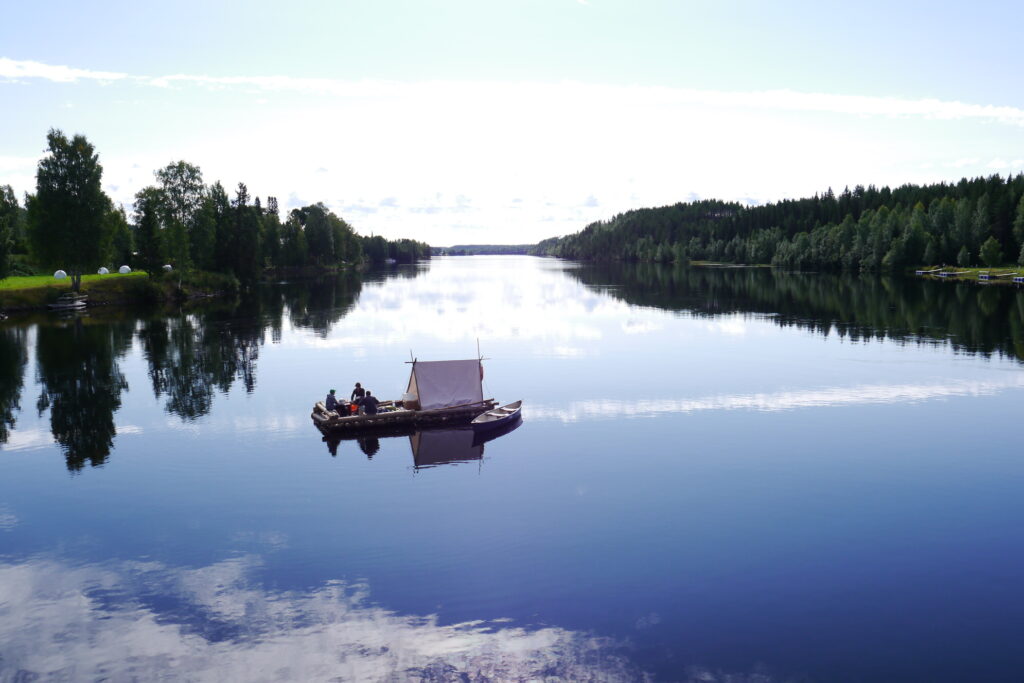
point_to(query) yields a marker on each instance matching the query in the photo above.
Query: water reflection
(81, 383)
(715, 532)
(318, 307)
(140, 620)
(444, 447)
(972, 318)
(429, 447)
(193, 353)
(13, 357)
(190, 355)
(614, 408)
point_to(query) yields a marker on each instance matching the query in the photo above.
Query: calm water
(721, 475)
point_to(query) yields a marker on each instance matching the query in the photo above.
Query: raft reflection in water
(430, 447)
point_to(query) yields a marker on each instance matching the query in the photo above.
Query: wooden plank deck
(333, 423)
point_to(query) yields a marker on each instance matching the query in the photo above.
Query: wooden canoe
(498, 417)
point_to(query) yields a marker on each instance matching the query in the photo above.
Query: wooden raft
(331, 422)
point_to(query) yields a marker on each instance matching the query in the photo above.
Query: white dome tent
(124, 270)
(103, 271)
(60, 275)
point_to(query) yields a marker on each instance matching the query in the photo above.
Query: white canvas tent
(446, 383)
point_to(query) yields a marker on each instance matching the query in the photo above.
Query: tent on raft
(434, 385)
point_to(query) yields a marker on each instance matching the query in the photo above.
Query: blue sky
(464, 121)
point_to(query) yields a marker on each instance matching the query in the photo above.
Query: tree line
(179, 220)
(972, 222)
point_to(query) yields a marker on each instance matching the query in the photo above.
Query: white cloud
(25, 70)
(783, 99)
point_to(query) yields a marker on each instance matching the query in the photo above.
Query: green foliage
(67, 215)
(477, 249)
(271, 233)
(182, 189)
(149, 234)
(963, 257)
(202, 239)
(1018, 221)
(991, 252)
(9, 215)
(294, 250)
(178, 221)
(122, 242)
(867, 229)
(246, 261)
(931, 252)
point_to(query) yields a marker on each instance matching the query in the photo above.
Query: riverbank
(36, 292)
(992, 276)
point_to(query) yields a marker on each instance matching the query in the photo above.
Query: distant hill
(483, 249)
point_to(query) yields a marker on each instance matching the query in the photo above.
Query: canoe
(498, 417)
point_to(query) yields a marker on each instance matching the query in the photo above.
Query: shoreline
(138, 288)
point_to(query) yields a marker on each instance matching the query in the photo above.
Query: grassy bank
(48, 281)
(22, 293)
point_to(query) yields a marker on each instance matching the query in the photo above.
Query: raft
(446, 392)
(330, 422)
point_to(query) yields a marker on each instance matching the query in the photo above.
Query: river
(721, 475)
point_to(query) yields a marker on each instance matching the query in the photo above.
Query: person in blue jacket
(332, 402)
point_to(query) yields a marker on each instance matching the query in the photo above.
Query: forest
(974, 222)
(178, 221)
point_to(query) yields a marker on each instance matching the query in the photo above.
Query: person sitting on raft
(369, 404)
(357, 393)
(332, 403)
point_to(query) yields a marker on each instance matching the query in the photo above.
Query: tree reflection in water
(190, 354)
(970, 317)
(319, 304)
(13, 357)
(81, 384)
(194, 352)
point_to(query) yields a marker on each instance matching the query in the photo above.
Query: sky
(479, 122)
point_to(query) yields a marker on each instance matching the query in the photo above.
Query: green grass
(37, 281)
(36, 291)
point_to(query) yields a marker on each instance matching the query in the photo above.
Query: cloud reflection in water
(786, 400)
(148, 621)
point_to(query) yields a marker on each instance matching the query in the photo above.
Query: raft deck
(330, 422)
